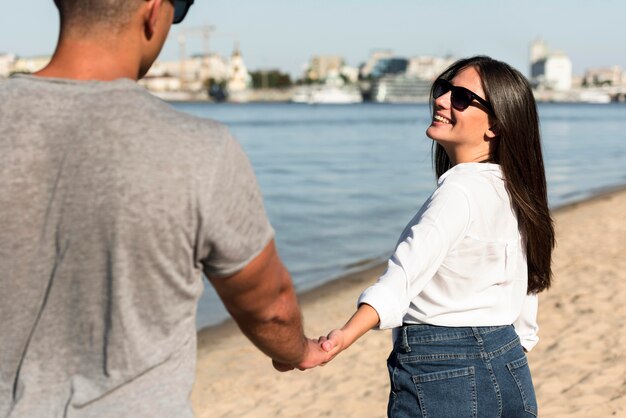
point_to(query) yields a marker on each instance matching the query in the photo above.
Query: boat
(325, 94)
(594, 96)
(400, 88)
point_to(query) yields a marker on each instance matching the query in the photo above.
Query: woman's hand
(327, 348)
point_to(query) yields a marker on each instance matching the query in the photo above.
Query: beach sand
(579, 366)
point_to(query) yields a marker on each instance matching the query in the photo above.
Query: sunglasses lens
(461, 98)
(440, 88)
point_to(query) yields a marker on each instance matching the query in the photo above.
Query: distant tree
(270, 79)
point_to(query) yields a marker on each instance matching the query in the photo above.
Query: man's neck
(91, 59)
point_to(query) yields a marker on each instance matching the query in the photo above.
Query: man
(112, 204)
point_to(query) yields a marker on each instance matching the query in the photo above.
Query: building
(538, 51)
(611, 76)
(549, 70)
(389, 66)
(239, 80)
(375, 56)
(6, 64)
(428, 68)
(198, 74)
(321, 65)
(30, 64)
(192, 72)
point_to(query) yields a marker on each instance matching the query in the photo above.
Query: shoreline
(376, 268)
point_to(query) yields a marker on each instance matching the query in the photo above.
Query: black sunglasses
(461, 97)
(181, 7)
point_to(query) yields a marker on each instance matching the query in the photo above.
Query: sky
(285, 34)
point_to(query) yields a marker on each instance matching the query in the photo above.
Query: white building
(321, 65)
(538, 51)
(30, 64)
(611, 76)
(549, 70)
(192, 74)
(350, 73)
(6, 64)
(372, 61)
(426, 67)
(239, 78)
(161, 84)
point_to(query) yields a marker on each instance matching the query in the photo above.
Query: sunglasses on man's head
(181, 7)
(461, 97)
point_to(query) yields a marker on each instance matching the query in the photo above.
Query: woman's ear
(493, 131)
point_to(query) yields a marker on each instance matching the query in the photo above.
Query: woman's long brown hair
(517, 150)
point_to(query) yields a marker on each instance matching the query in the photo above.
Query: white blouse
(460, 261)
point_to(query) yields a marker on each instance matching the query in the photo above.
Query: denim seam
(448, 374)
(405, 340)
(438, 338)
(505, 348)
(436, 357)
(469, 372)
(420, 399)
(514, 365)
(448, 336)
(486, 359)
(394, 391)
(474, 394)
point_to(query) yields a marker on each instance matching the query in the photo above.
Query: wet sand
(579, 366)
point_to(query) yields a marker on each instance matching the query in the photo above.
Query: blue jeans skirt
(441, 372)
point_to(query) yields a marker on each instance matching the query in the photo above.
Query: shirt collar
(465, 168)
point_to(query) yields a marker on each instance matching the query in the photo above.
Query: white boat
(594, 96)
(325, 94)
(400, 88)
(335, 95)
(301, 95)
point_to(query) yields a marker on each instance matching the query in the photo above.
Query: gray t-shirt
(112, 204)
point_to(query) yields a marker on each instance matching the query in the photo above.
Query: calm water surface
(341, 182)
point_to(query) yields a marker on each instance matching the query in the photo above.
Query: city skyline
(284, 35)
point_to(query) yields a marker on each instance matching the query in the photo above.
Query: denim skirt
(458, 372)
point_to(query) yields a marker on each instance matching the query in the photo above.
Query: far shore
(578, 366)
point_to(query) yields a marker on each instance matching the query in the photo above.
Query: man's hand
(325, 349)
(314, 356)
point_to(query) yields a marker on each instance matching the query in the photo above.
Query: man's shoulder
(163, 118)
(121, 109)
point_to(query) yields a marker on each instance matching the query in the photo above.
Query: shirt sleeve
(440, 224)
(526, 325)
(235, 225)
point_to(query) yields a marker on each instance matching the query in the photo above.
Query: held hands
(318, 352)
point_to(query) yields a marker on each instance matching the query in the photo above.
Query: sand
(579, 366)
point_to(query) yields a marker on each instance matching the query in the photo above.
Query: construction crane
(206, 32)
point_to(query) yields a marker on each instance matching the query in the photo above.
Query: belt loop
(477, 335)
(405, 339)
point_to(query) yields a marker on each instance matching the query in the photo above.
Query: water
(341, 182)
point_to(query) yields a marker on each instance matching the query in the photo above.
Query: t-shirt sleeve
(439, 225)
(235, 226)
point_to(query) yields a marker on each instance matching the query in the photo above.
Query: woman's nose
(443, 101)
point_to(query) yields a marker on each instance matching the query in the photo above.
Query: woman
(460, 290)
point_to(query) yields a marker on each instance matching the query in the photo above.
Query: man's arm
(262, 300)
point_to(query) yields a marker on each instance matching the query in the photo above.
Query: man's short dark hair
(90, 14)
